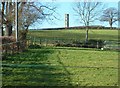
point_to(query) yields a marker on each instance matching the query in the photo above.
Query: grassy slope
(76, 34)
(62, 66)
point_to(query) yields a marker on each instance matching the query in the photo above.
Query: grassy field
(76, 34)
(61, 66)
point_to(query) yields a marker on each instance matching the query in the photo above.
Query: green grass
(76, 34)
(67, 66)
(61, 66)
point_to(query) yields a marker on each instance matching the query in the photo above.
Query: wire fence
(112, 45)
(47, 70)
(15, 47)
(100, 44)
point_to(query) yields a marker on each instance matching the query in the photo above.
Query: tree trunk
(1, 31)
(9, 29)
(111, 26)
(2, 18)
(86, 37)
(8, 19)
(110, 22)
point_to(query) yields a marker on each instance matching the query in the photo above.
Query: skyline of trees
(110, 15)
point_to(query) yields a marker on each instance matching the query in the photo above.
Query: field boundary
(107, 45)
(13, 47)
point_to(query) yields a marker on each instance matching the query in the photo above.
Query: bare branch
(87, 12)
(110, 15)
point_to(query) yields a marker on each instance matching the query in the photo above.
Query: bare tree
(110, 15)
(35, 12)
(87, 12)
(7, 17)
(2, 6)
(28, 14)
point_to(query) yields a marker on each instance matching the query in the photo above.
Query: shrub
(34, 46)
(7, 39)
(9, 44)
(22, 34)
(95, 43)
(77, 43)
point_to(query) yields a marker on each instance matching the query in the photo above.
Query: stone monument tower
(66, 20)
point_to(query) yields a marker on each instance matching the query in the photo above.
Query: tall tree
(2, 6)
(7, 17)
(110, 15)
(35, 12)
(87, 12)
(28, 14)
(0, 19)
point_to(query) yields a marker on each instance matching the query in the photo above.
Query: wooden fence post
(17, 47)
(12, 48)
(97, 44)
(46, 42)
(33, 40)
(40, 41)
(5, 48)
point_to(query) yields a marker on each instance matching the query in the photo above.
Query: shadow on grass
(86, 49)
(33, 68)
(64, 68)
